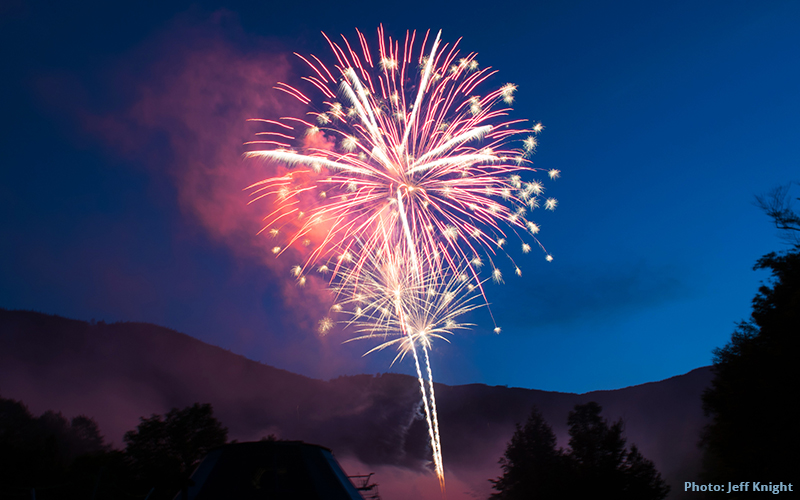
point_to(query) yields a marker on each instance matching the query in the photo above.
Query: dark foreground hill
(118, 372)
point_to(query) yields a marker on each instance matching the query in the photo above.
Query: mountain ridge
(121, 371)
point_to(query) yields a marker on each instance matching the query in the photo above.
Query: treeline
(596, 464)
(51, 457)
(752, 401)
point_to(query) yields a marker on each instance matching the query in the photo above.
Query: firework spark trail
(426, 166)
(395, 299)
(438, 440)
(433, 418)
(428, 417)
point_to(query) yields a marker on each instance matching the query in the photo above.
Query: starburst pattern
(432, 162)
(404, 180)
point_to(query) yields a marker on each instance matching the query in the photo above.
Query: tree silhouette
(68, 459)
(164, 450)
(41, 452)
(643, 480)
(778, 207)
(596, 464)
(752, 398)
(532, 467)
(597, 450)
(602, 465)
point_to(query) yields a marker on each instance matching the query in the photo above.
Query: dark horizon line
(130, 322)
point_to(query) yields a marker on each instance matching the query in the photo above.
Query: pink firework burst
(402, 145)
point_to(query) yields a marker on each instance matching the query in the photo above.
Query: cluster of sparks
(402, 186)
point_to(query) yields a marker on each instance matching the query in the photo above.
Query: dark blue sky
(121, 176)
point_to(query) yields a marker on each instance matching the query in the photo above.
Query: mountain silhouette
(119, 372)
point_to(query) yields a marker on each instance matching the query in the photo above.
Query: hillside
(118, 372)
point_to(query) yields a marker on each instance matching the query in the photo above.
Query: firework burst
(386, 298)
(430, 159)
(404, 177)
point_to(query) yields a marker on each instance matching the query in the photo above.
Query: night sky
(121, 175)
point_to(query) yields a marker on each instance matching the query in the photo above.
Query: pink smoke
(193, 91)
(399, 483)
